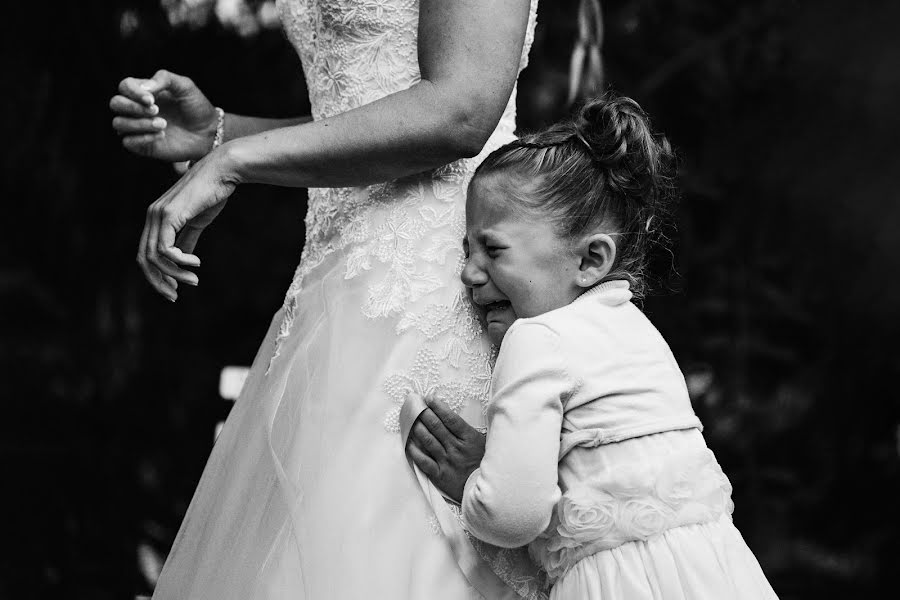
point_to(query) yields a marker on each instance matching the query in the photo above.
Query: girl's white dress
(595, 454)
(308, 493)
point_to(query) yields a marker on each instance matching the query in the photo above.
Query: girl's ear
(597, 253)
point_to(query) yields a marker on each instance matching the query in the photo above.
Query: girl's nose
(472, 276)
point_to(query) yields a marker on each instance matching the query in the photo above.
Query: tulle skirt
(307, 493)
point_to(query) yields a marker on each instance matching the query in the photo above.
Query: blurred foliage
(782, 308)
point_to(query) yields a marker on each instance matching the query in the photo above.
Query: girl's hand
(175, 221)
(166, 117)
(445, 447)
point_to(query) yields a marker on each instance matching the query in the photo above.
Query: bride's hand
(166, 117)
(445, 448)
(176, 220)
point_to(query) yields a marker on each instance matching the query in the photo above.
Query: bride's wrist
(229, 158)
(210, 137)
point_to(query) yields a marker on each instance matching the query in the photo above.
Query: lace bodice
(353, 51)
(357, 51)
(400, 233)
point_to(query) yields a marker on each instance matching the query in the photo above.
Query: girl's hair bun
(617, 132)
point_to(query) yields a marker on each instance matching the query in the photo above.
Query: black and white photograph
(450, 300)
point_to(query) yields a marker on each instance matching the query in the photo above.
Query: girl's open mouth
(495, 307)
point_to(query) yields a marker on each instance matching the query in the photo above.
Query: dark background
(783, 313)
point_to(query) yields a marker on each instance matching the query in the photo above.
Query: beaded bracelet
(217, 139)
(220, 129)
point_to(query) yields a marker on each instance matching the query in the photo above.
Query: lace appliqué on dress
(424, 379)
(456, 323)
(395, 244)
(511, 565)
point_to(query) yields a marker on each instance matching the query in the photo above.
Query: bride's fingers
(162, 256)
(422, 460)
(157, 280)
(175, 255)
(142, 144)
(175, 84)
(153, 217)
(169, 260)
(187, 241)
(131, 87)
(129, 126)
(127, 107)
(174, 272)
(170, 252)
(141, 253)
(163, 286)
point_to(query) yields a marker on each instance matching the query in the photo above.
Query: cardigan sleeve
(509, 499)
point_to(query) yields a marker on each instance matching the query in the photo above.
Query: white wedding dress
(308, 493)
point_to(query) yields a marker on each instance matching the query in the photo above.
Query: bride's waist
(417, 204)
(351, 215)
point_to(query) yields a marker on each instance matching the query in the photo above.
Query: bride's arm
(237, 126)
(469, 52)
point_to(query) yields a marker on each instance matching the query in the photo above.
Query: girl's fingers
(127, 107)
(422, 460)
(426, 440)
(129, 126)
(130, 87)
(455, 424)
(436, 427)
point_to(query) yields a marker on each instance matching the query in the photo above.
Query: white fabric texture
(594, 456)
(307, 493)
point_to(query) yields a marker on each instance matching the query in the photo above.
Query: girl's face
(517, 265)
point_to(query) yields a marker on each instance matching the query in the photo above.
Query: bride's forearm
(404, 133)
(237, 126)
(469, 54)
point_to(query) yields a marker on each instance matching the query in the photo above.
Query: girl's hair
(602, 166)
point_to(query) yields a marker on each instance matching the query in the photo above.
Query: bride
(307, 493)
